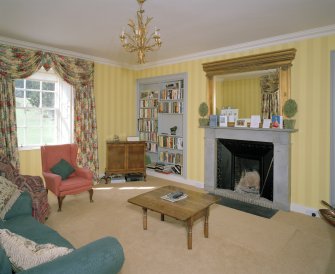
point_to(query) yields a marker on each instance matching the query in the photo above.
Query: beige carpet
(238, 242)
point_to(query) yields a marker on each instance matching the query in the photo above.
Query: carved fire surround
(281, 139)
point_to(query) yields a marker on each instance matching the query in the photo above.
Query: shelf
(161, 106)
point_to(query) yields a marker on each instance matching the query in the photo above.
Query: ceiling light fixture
(138, 40)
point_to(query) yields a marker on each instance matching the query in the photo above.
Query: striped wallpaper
(115, 91)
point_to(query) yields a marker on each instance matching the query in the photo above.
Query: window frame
(62, 90)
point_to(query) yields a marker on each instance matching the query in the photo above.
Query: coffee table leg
(144, 218)
(189, 233)
(162, 217)
(206, 223)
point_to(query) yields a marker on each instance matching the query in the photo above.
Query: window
(44, 110)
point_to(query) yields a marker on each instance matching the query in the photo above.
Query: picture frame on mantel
(266, 123)
(241, 123)
(223, 121)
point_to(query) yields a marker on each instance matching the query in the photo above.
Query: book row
(171, 107)
(170, 142)
(152, 147)
(148, 113)
(149, 103)
(172, 94)
(147, 125)
(148, 136)
(171, 157)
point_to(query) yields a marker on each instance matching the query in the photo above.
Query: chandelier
(138, 40)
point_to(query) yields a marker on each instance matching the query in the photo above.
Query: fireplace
(245, 167)
(263, 155)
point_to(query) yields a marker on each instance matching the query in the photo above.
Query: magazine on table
(174, 196)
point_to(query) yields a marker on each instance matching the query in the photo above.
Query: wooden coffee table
(195, 206)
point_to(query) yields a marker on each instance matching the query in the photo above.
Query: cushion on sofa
(9, 193)
(30, 228)
(5, 266)
(22, 206)
(63, 168)
(24, 253)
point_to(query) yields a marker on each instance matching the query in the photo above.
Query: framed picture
(241, 123)
(254, 121)
(277, 121)
(213, 121)
(223, 121)
(266, 123)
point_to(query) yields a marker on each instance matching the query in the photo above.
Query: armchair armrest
(52, 181)
(84, 172)
(103, 256)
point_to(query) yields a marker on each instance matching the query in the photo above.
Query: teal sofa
(103, 256)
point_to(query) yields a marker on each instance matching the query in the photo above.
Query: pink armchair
(79, 181)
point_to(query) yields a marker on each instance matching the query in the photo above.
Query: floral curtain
(270, 95)
(18, 63)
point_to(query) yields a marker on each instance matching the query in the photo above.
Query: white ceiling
(92, 27)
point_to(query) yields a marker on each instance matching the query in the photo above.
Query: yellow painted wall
(243, 94)
(115, 101)
(115, 96)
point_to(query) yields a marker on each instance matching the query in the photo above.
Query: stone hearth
(281, 140)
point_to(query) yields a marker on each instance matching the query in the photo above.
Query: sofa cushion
(8, 195)
(22, 206)
(63, 168)
(5, 266)
(24, 253)
(30, 228)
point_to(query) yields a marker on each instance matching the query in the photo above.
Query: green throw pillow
(63, 168)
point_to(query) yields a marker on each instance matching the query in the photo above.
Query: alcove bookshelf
(161, 119)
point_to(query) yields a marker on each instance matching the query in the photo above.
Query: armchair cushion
(9, 193)
(24, 253)
(63, 168)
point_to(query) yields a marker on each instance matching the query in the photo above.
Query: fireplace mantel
(281, 139)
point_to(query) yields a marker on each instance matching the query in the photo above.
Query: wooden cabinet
(125, 158)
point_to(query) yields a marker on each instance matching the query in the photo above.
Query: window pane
(19, 83)
(19, 97)
(48, 99)
(30, 84)
(49, 118)
(48, 86)
(33, 98)
(20, 117)
(33, 117)
(49, 135)
(20, 136)
(33, 136)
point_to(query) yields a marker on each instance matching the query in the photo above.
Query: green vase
(289, 123)
(203, 122)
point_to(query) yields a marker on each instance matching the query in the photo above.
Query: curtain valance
(19, 63)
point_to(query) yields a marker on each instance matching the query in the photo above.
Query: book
(117, 178)
(169, 197)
